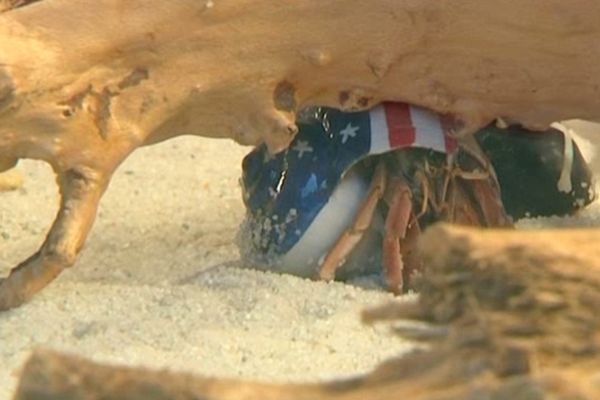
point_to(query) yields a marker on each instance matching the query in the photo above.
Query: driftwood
(83, 83)
(6, 5)
(10, 180)
(507, 314)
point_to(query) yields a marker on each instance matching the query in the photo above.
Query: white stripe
(428, 128)
(564, 182)
(380, 142)
(329, 224)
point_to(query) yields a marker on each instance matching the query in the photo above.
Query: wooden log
(519, 318)
(241, 68)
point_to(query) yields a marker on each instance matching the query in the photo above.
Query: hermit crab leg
(463, 205)
(81, 190)
(487, 198)
(397, 224)
(422, 179)
(351, 236)
(482, 188)
(408, 247)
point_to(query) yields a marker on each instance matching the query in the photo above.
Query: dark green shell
(528, 166)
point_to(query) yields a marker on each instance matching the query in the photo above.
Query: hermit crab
(354, 190)
(413, 188)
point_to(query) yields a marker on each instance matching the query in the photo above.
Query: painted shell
(300, 202)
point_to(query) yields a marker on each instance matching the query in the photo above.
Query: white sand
(158, 283)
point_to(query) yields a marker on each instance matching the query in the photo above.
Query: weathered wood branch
(50, 375)
(507, 315)
(6, 5)
(151, 69)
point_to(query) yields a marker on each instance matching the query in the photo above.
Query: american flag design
(284, 193)
(400, 125)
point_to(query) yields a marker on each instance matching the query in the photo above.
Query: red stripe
(400, 128)
(448, 122)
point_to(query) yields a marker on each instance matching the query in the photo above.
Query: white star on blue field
(348, 132)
